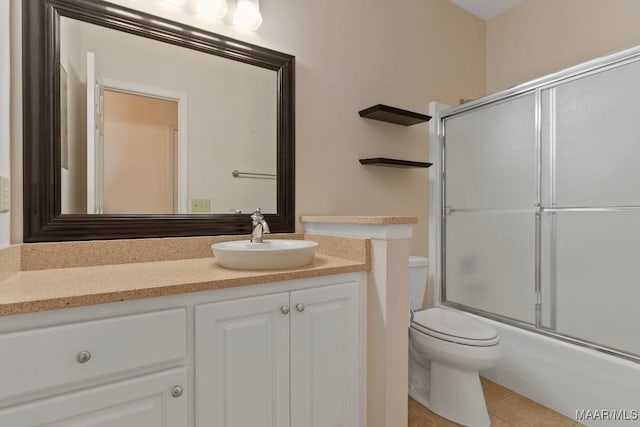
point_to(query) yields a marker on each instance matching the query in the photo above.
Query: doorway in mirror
(140, 154)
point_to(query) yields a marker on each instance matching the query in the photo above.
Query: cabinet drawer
(43, 358)
(145, 401)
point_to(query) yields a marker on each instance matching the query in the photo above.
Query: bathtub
(567, 378)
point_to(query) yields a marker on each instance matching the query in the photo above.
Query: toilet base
(457, 395)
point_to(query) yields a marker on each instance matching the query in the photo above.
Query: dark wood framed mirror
(44, 155)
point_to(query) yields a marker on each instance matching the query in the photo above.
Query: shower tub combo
(535, 227)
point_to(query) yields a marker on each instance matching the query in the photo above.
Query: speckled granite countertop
(75, 274)
(31, 291)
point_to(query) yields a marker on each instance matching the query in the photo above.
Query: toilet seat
(451, 326)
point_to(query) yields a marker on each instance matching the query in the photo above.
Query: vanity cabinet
(279, 354)
(288, 359)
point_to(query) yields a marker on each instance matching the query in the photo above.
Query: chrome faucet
(260, 227)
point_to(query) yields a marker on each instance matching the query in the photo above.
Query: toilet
(446, 351)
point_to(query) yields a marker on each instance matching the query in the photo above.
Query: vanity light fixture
(211, 9)
(176, 2)
(247, 14)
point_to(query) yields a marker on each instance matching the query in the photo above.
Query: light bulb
(247, 14)
(211, 9)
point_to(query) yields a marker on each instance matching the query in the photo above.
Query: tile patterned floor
(506, 409)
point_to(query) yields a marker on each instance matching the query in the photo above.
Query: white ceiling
(486, 9)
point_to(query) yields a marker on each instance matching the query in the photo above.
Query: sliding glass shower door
(591, 221)
(490, 199)
(541, 219)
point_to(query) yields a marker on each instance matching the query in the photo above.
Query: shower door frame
(440, 209)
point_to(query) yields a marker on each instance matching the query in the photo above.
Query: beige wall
(351, 55)
(538, 37)
(354, 54)
(16, 121)
(4, 114)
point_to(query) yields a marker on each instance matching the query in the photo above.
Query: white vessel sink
(272, 254)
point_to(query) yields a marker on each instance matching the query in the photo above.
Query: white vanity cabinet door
(242, 362)
(145, 401)
(288, 359)
(325, 360)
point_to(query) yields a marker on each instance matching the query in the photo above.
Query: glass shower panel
(590, 276)
(490, 156)
(596, 134)
(489, 262)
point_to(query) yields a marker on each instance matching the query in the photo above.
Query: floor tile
(506, 409)
(523, 412)
(442, 422)
(419, 416)
(499, 422)
(493, 393)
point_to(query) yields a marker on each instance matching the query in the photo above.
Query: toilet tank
(418, 275)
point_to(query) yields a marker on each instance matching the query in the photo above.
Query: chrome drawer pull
(300, 307)
(284, 309)
(83, 357)
(176, 391)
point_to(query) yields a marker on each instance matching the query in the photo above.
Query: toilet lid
(455, 327)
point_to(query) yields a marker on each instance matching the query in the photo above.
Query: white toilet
(446, 351)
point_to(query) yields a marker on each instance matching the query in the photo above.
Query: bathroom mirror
(190, 130)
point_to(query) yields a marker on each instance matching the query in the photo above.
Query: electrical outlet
(5, 194)
(200, 205)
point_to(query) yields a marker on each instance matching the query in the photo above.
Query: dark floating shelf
(394, 163)
(395, 115)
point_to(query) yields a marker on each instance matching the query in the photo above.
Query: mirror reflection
(152, 128)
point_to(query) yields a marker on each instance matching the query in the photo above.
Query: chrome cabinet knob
(83, 357)
(284, 309)
(176, 391)
(300, 307)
